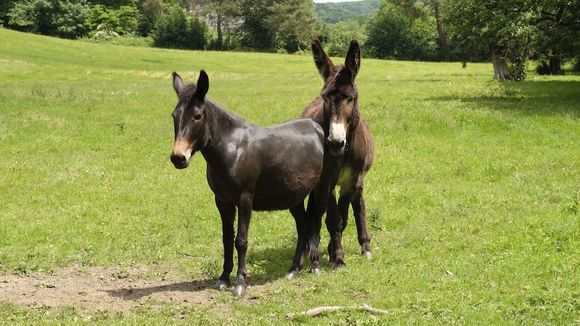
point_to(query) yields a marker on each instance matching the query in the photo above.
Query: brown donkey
(349, 153)
(248, 167)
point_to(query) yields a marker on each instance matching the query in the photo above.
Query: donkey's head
(189, 119)
(341, 115)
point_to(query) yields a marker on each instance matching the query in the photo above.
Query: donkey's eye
(197, 116)
(350, 99)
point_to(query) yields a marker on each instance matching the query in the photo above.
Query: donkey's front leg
(227, 212)
(244, 215)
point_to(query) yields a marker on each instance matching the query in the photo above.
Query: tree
(123, 20)
(401, 31)
(225, 14)
(62, 18)
(31, 16)
(340, 34)
(69, 18)
(504, 29)
(559, 33)
(255, 32)
(285, 24)
(437, 7)
(150, 11)
(176, 30)
(5, 6)
(292, 22)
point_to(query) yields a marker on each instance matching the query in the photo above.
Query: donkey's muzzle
(179, 161)
(336, 147)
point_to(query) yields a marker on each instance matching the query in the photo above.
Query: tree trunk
(220, 38)
(440, 30)
(500, 68)
(555, 68)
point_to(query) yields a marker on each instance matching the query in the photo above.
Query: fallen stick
(320, 310)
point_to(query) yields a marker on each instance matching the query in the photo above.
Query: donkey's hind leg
(360, 217)
(314, 223)
(301, 243)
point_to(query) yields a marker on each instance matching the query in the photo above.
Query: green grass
(473, 198)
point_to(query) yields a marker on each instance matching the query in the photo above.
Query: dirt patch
(107, 289)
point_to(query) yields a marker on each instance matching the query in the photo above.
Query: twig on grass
(320, 310)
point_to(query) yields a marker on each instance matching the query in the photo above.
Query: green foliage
(255, 32)
(123, 20)
(292, 22)
(340, 34)
(176, 30)
(62, 18)
(150, 11)
(283, 25)
(559, 32)
(224, 15)
(393, 33)
(113, 3)
(32, 16)
(505, 27)
(343, 11)
(5, 6)
(69, 20)
(108, 37)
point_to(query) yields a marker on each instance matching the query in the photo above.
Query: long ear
(352, 61)
(178, 84)
(322, 61)
(202, 85)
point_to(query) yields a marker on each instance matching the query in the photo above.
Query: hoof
(337, 264)
(239, 290)
(291, 275)
(368, 254)
(221, 285)
(316, 271)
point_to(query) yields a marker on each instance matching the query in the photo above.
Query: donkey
(348, 157)
(248, 167)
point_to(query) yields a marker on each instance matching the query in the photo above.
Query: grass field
(473, 199)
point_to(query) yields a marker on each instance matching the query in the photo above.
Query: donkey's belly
(283, 191)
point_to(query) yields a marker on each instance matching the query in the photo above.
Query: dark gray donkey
(248, 167)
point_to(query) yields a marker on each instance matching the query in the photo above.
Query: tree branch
(324, 309)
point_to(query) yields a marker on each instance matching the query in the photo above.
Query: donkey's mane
(189, 92)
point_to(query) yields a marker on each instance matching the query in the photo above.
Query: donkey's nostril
(336, 146)
(179, 161)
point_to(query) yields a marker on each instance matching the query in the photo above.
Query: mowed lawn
(473, 199)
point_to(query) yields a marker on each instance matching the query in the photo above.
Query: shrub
(64, 18)
(124, 20)
(31, 16)
(70, 17)
(176, 30)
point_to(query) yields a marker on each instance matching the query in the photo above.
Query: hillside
(334, 12)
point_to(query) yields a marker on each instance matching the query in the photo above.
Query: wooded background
(509, 33)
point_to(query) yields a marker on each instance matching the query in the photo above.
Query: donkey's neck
(219, 130)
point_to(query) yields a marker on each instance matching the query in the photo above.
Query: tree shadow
(270, 264)
(546, 98)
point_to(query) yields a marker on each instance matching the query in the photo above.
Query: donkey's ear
(352, 61)
(178, 84)
(202, 85)
(322, 61)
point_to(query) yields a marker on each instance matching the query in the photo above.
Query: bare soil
(108, 288)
